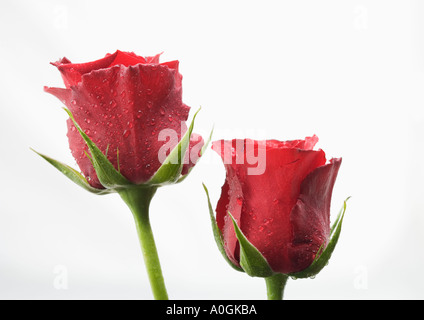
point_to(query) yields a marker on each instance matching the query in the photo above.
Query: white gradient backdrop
(351, 72)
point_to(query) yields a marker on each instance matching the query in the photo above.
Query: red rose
(282, 209)
(122, 102)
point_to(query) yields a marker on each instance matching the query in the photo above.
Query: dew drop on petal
(126, 133)
(239, 201)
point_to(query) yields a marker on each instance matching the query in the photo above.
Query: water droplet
(276, 201)
(73, 102)
(139, 114)
(268, 221)
(113, 103)
(162, 111)
(149, 91)
(87, 120)
(239, 201)
(152, 122)
(129, 124)
(126, 133)
(149, 104)
(170, 118)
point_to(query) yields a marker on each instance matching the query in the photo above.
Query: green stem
(275, 286)
(138, 200)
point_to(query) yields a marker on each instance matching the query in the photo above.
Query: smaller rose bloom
(282, 209)
(122, 102)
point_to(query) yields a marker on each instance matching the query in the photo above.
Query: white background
(351, 72)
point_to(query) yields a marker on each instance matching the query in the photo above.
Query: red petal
(310, 217)
(228, 202)
(126, 59)
(72, 72)
(307, 144)
(63, 95)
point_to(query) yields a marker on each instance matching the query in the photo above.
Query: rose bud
(123, 103)
(127, 132)
(273, 216)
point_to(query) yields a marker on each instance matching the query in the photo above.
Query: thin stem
(138, 200)
(275, 286)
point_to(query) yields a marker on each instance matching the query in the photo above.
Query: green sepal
(170, 170)
(73, 175)
(251, 260)
(323, 256)
(217, 233)
(108, 176)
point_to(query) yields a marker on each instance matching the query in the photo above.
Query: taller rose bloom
(122, 102)
(284, 210)
(127, 132)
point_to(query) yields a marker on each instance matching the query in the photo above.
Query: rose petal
(307, 144)
(72, 72)
(310, 217)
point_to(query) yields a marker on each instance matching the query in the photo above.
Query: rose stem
(138, 200)
(275, 286)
